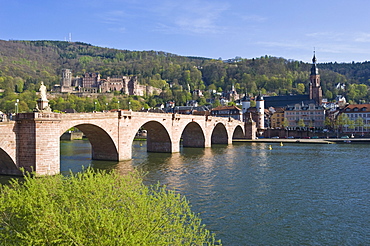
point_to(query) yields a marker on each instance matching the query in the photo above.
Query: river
(248, 194)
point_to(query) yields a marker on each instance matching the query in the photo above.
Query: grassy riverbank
(96, 208)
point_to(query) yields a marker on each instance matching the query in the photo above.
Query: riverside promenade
(307, 141)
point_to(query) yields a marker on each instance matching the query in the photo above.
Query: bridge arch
(158, 139)
(238, 133)
(193, 136)
(219, 134)
(7, 164)
(102, 145)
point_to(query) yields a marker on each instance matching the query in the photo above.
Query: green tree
(341, 121)
(328, 122)
(285, 124)
(212, 87)
(301, 123)
(359, 123)
(328, 94)
(351, 124)
(96, 208)
(300, 88)
(19, 84)
(216, 103)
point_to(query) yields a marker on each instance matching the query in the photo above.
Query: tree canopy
(96, 208)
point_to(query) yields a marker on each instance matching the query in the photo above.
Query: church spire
(314, 57)
(314, 69)
(315, 87)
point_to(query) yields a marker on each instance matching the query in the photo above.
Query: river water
(296, 194)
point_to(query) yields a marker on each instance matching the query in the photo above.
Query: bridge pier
(125, 152)
(38, 147)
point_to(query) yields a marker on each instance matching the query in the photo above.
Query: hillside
(24, 64)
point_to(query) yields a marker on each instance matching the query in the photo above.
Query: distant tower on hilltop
(315, 87)
(66, 81)
(66, 77)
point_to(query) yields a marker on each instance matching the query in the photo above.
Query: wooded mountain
(24, 64)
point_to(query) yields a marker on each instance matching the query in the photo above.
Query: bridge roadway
(32, 141)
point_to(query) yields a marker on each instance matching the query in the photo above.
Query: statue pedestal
(42, 106)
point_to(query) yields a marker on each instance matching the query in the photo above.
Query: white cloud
(197, 17)
(254, 18)
(362, 37)
(113, 17)
(283, 44)
(117, 29)
(327, 36)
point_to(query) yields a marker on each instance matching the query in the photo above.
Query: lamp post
(95, 106)
(106, 104)
(16, 106)
(118, 105)
(129, 106)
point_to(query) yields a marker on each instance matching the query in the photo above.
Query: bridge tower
(260, 105)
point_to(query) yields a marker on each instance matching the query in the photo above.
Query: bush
(96, 208)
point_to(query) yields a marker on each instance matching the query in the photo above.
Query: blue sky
(339, 30)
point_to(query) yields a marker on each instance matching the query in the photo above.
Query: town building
(359, 115)
(231, 95)
(312, 115)
(228, 112)
(277, 118)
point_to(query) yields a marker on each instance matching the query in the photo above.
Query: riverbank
(306, 141)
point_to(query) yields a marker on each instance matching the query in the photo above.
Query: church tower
(315, 87)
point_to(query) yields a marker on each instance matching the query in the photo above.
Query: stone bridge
(32, 141)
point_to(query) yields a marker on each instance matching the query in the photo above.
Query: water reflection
(294, 194)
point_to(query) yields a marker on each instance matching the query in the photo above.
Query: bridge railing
(37, 115)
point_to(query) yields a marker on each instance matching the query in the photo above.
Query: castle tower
(315, 87)
(260, 106)
(66, 82)
(66, 78)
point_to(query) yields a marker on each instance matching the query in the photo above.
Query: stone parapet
(38, 116)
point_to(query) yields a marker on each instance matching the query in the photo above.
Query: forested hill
(23, 64)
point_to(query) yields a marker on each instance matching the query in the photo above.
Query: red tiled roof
(351, 107)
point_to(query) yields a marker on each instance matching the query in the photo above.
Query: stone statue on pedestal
(43, 91)
(42, 103)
